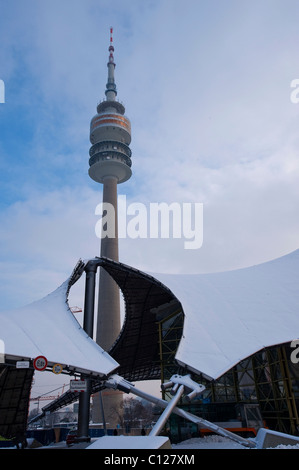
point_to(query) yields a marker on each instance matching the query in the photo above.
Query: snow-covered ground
(218, 442)
(208, 442)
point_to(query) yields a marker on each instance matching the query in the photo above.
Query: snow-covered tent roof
(231, 315)
(48, 328)
(228, 316)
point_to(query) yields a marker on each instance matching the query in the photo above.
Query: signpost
(78, 385)
(40, 363)
(22, 364)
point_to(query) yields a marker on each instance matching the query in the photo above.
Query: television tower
(110, 164)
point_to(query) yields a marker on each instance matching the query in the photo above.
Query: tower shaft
(110, 164)
(108, 323)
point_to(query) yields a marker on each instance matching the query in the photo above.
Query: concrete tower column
(108, 323)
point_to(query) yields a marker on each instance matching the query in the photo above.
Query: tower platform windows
(110, 156)
(110, 165)
(104, 145)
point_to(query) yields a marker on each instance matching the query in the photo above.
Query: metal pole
(103, 413)
(83, 415)
(167, 412)
(84, 398)
(91, 269)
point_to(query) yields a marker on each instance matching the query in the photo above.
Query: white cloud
(207, 89)
(43, 238)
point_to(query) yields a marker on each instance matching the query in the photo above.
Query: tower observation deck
(110, 135)
(109, 164)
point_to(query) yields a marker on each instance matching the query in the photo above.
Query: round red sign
(40, 363)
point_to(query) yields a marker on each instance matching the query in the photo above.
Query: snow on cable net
(228, 316)
(48, 328)
(231, 315)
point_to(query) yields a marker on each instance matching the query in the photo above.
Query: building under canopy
(204, 323)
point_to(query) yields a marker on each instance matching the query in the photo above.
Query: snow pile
(219, 442)
(282, 446)
(208, 442)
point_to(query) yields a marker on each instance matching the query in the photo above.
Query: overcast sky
(206, 85)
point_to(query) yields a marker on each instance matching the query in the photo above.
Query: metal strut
(179, 384)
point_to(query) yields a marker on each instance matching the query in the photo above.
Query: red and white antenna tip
(111, 48)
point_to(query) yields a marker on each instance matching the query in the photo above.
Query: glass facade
(260, 391)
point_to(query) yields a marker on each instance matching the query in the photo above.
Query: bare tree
(138, 414)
